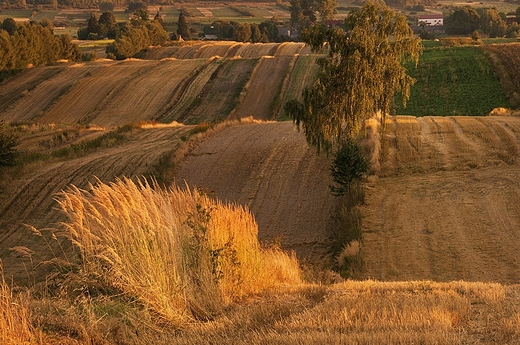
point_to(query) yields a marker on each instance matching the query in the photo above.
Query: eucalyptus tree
(359, 75)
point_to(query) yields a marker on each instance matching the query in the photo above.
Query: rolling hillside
(440, 218)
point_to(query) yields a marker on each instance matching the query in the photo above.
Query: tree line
(130, 38)
(32, 43)
(264, 32)
(466, 20)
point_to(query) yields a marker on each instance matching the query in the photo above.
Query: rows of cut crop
(15, 88)
(84, 100)
(263, 87)
(221, 94)
(148, 93)
(190, 93)
(34, 104)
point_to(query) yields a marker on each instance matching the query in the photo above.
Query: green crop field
(453, 81)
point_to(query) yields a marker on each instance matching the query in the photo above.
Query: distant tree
(9, 25)
(243, 32)
(106, 6)
(8, 142)
(136, 5)
(513, 30)
(47, 23)
(492, 23)
(182, 27)
(358, 78)
(256, 35)
(306, 12)
(139, 17)
(463, 21)
(7, 52)
(158, 18)
(270, 29)
(108, 25)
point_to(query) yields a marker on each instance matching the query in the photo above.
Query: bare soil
(447, 203)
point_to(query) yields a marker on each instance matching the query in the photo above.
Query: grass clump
(179, 253)
(15, 318)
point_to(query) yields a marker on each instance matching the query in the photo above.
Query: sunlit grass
(180, 253)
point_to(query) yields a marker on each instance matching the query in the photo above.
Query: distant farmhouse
(431, 23)
(431, 19)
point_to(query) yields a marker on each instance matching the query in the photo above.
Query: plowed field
(447, 204)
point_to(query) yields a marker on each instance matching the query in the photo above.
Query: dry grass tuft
(15, 318)
(180, 253)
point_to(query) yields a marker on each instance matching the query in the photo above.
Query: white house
(431, 19)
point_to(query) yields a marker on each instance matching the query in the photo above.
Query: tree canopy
(359, 76)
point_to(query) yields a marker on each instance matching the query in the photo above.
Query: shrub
(349, 164)
(8, 142)
(180, 253)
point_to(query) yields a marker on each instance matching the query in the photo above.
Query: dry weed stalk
(179, 252)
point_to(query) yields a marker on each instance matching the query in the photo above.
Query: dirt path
(269, 168)
(447, 204)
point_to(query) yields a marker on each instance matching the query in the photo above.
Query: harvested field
(270, 168)
(257, 50)
(220, 49)
(161, 52)
(302, 75)
(33, 105)
(30, 200)
(84, 99)
(187, 52)
(15, 88)
(289, 48)
(220, 95)
(265, 84)
(149, 93)
(447, 203)
(191, 92)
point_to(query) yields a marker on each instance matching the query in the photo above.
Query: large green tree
(358, 78)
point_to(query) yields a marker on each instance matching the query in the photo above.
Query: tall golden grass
(15, 318)
(180, 253)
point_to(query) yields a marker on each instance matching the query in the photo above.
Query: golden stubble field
(446, 204)
(440, 220)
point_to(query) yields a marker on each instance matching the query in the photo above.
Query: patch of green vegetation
(500, 40)
(453, 81)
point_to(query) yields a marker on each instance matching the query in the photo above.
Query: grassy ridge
(453, 81)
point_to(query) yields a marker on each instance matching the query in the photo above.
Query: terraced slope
(447, 204)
